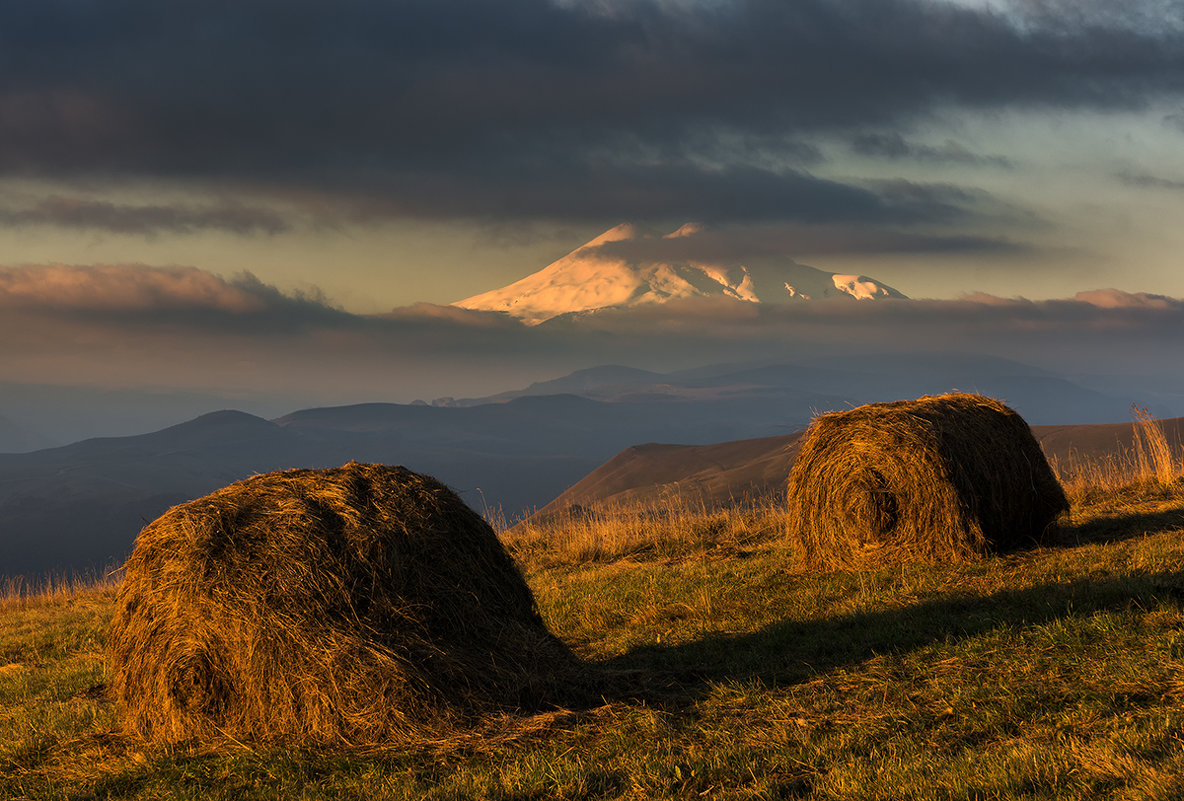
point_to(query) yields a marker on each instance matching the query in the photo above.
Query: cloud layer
(746, 242)
(627, 108)
(144, 219)
(117, 299)
(183, 328)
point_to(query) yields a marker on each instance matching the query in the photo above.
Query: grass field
(1054, 673)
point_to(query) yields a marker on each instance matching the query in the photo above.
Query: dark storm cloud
(493, 108)
(891, 145)
(145, 220)
(739, 243)
(682, 191)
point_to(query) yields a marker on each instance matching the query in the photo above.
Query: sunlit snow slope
(594, 276)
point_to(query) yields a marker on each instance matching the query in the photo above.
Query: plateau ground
(1048, 674)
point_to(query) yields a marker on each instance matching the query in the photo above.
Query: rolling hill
(80, 506)
(722, 473)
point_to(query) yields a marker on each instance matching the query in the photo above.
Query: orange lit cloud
(122, 287)
(1117, 299)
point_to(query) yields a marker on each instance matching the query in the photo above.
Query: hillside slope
(720, 473)
(1055, 673)
(80, 507)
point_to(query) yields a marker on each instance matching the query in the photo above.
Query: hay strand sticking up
(358, 606)
(938, 479)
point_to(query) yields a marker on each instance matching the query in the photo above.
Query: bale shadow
(794, 651)
(1119, 527)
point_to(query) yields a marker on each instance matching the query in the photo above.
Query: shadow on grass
(793, 651)
(119, 785)
(1118, 527)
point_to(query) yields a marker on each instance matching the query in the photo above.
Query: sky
(210, 194)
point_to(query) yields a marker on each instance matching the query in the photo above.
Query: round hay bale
(933, 480)
(360, 605)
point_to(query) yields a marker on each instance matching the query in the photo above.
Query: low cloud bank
(123, 295)
(185, 329)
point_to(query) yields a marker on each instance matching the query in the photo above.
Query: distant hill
(716, 474)
(16, 438)
(1041, 396)
(81, 505)
(61, 413)
(721, 473)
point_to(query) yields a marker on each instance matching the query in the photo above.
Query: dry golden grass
(1051, 674)
(17, 593)
(677, 527)
(1153, 454)
(674, 527)
(1152, 460)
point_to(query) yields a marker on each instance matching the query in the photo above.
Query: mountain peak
(618, 233)
(686, 229)
(592, 277)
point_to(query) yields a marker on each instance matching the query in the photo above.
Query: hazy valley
(79, 506)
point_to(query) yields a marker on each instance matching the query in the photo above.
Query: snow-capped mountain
(594, 276)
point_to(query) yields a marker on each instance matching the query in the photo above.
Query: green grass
(1056, 673)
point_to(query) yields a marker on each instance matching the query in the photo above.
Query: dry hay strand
(358, 606)
(935, 480)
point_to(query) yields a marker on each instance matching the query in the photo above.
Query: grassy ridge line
(1053, 674)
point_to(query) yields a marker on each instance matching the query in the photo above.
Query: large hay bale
(358, 605)
(933, 480)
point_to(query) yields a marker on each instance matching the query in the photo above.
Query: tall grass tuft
(1150, 461)
(1152, 452)
(17, 592)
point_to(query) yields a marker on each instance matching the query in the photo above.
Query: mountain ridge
(80, 506)
(602, 274)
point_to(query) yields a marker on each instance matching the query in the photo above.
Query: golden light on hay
(938, 479)
(360, 605)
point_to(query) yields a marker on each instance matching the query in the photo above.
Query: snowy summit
(604, 274)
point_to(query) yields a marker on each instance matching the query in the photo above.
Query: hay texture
(361, 605)
(933, 480)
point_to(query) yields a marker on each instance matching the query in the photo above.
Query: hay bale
(933, 480)
(360, 605)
